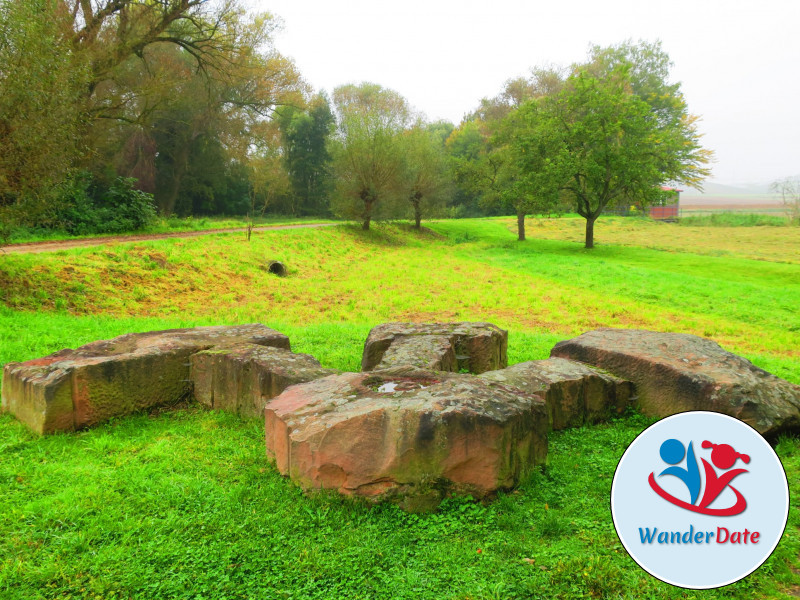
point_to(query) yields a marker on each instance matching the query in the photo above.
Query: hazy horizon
(735, 63)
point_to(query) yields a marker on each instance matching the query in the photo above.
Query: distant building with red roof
(668, 208)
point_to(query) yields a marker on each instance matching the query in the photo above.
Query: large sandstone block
(244, 377)
(413, 437)
(434, 352)
(676, 372)
(475, 347)
(72, 389)
(575, 393)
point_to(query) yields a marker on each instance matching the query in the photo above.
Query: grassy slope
(183, 503)
(164, 225)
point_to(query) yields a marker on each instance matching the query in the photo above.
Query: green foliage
(213, 184)
(83, 207)
(368, 152)
(306, 136)
(174, 94)
(464, 150)
(40, 81)
(612, 133)
(485, 166)
(41, 114)
(531, 158)
(627, 131)
(425, 173)
(127, 208)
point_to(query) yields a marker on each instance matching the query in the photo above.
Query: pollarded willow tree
(368, 151)
(426, 173)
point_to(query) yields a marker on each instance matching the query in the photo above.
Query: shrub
(127, 208)
(83, 207)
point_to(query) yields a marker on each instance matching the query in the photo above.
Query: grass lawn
(183, 503)
(164, 225)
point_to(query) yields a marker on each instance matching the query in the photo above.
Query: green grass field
(183, 503)
(163, 225)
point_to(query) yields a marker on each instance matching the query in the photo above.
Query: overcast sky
(738, 62)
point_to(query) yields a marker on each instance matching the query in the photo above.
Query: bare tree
(789, 191)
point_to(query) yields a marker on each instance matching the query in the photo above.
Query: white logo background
(635, 505)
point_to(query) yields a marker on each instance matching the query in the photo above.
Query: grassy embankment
(163, 225)
(183, 504)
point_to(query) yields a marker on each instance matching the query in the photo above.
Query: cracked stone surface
(675, 372)
(473, 347)
(435, 352)
(413, 436)
(73, 389)
(576, 394)
(244, 377)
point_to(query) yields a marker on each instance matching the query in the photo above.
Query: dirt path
(56, 245)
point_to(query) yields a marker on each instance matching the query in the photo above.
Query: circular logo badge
(699, 500)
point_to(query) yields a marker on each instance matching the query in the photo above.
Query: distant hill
(720, 189)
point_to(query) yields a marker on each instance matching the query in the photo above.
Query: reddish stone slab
(675, 372)
(410, 437)
(576, 394)
(474, 347)
(244, 377)
(73, 389)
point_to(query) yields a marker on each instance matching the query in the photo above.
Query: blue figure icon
(672, 452)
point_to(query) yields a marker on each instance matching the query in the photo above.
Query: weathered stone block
(477, 347)
(434, 352)
(675, 372)
(575, 393)
(244, 377)
(72, 389)
(414, 437)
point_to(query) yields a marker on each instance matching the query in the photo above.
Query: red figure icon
(724, 457)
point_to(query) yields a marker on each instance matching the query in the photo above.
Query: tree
(617, 149)
(306, 136)
(484, 167)
(650, 141)
(41, 121)
(532, 154)
(789, 191)
(614, 131)
(184, 107)
(368, 150)
(140, 86)
(648, 71)
(427, 177)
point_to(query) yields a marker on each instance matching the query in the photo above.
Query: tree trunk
(590, 232)
(417, 215)
(368, 200)
(367, 215)
(521, 226)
